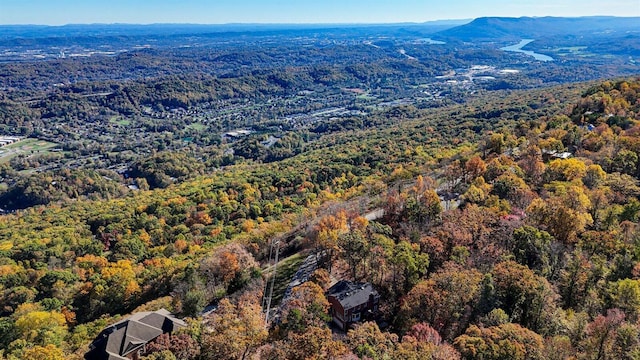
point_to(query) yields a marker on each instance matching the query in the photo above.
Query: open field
(26, 146)
(119, 120)
(580, 51)
(197, 126)
(285, 271)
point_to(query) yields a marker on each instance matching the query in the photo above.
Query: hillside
(503, 28)
(541, 246)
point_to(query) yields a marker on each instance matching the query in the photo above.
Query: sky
(60, 12)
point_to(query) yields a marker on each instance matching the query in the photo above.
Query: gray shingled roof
(132, 333)
(351, 294)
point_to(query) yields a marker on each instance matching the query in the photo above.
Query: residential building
(127, 339)
(352, 302)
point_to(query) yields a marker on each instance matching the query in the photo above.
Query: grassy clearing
(285, 271)
(119, 120)
(572, 50)
(197, 126)
(25, 147)
(365, 96)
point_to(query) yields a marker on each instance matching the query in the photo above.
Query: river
(518, 48)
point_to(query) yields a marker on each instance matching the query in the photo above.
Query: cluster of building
(236, 134)
(351, 302)
(7, 140)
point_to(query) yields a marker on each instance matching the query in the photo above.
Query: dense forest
(532, 254)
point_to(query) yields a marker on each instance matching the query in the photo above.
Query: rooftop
(132, 333)
(351, 294)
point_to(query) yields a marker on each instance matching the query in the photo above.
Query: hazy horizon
(299, 12)
(265, 23)
(443, 21)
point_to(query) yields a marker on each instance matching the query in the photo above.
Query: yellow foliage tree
(234, 330)
(121, 279)
(42, 327)
(329, 230)
(562, 218)
(49, 352)
(567, 169)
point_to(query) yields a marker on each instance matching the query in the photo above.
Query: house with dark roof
(352, 302)
(126, 339)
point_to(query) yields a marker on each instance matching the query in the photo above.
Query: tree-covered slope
(505, 28)
(489, 235)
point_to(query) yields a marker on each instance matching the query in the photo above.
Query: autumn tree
(119, 284)
(321, 277)
(496, 143)
(507, 341)
(422, 342)
(233, 330)
(627, 342)
(577, 279)
(559, 347)
(229, 268)
(355, 250)
(408, 265)
(445, 300)
(181, 345)
(471, 228)
(42, 327)
(507, 185)
(453, 175)
(380, 258)
(473, 168)
(501, 165)
(315, 343)
(601, 334)
(452, 233)
(594, 176)
(307, 306)
(527, 298)
(624, 161)
(302, 333)
(566, 169)
(423, 204)
(565, 215)
(532, 164)
(600, 208)
(424, 333)
(532, 247)
(477, 192)
(328, 231)
(625, 295)
(367, 341)
(48, 352)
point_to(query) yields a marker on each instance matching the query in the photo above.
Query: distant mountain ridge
(8, 32)
(498, 28)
